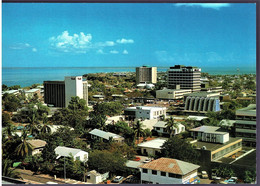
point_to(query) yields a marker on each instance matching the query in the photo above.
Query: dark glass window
(163, 173)
(145, 171)
(154, 172)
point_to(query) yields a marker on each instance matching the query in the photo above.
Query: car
(204, 174)
(147, 160)
(232, 180)
(137, 158)
(118, 179)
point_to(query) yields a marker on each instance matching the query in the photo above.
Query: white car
(147, 160)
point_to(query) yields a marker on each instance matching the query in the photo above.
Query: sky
(128, 35)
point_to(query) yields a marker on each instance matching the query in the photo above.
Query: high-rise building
(59, 93)
(146, 74)
(186, 76)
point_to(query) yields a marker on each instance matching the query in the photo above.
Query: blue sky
(103, 35)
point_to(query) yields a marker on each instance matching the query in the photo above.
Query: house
(168, 171)
(160, 127)
(38, 145)
(77, 154)
(105, 136)
(94, 177)
(151, 147)
(30, 93)
(144, 112)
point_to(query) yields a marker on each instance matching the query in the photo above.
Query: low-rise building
(171, 94)
(160, 127)
(210, 134)
(105, 136)
(152, 147)
(77, 154)
(144, 112)
(94, 177)
(168, 171)
(38, 145)
(30, 93)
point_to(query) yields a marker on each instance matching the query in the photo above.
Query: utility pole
(64, 170)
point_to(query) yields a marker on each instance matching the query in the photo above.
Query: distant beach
(26, 76)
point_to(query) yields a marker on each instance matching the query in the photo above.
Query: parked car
(232, 180)
(131, 179)
(204, 174)
(137, 158)
(118, 179)
(147, 160)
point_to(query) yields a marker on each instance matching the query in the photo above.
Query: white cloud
(74, 43)
(215, 6)
(114, 52)
(125, 52)
(100, 51)
(34, 49)
(124, 41)
(20, 46)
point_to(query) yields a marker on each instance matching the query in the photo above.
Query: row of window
(154, 172)
(242, 126)
(226, 151)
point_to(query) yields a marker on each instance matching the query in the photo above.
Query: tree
(225, 171)
(24, 148)
(5, 119)
(171, 126)
(105, 161)
(181, 149)
(249, 176)
(138, 129)
(7, 171)
(32, 126)
(45, 128)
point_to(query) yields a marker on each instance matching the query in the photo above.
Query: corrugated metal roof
(37, 143)
(171, 165)
(103, 134)
(155, 144)
(66, 151)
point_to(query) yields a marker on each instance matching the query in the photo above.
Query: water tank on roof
(204, 148)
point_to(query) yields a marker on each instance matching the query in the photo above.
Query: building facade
(144, 112)
(160, 127)
(186, 76)
(168, 171)
(146, 74)
(245, 125)
(54, 93)
(59, 93)
(170, 94)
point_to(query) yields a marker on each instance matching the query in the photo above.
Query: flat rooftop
(204, 94)
(250, 110)
(214, 146)
(154, 144)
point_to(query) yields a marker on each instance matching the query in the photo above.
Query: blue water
(28, 76)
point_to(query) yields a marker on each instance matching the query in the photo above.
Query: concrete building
(202, 102)
(152, 147)
(59, 93)
(160, 127)
(144, 112)
(210, 134)
(77, 154)
(186, 76)
(105, 136)
(245, 125)
(170, 94)
(146, 74)
(94, 177)
(168, 171)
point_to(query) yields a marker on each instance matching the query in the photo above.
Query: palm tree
(24, 148)
(171, 126)
(9, 130)
(7, 171)
(45, 128)
(138, 129)
(33, 128)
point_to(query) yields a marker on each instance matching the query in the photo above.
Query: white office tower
(73, 87)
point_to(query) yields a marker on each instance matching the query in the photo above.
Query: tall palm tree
(33, 128)
(171, 126)
(24, 148)
(138, 129)
(45, 128)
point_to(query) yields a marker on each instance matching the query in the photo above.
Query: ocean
(26, 76)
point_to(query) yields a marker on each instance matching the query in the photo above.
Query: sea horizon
(26, 76)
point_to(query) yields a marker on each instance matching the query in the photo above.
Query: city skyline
(108, 35)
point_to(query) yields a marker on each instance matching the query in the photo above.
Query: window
(154, 172)
(145, 170)
(172, 175)
(163, 173)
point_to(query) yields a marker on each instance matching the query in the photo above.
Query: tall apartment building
(146, 74)
(59, 93)
(186, 76)
(245, 125)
